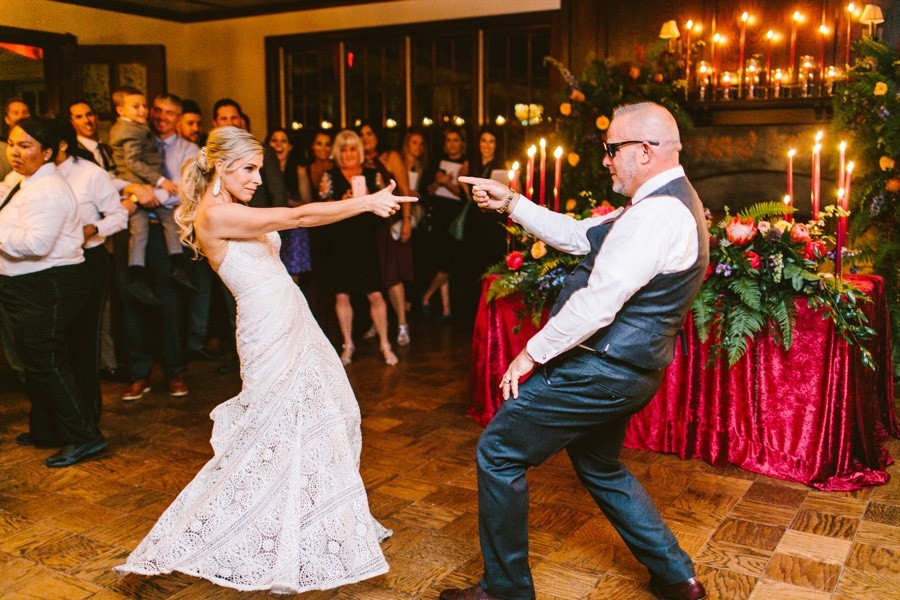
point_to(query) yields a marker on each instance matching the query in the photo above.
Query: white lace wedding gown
(281, 505)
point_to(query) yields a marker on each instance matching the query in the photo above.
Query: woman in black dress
(350, 245)
(442, 200)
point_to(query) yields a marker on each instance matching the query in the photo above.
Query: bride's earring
(217, 186)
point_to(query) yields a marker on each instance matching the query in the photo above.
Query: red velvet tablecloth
(812, 414)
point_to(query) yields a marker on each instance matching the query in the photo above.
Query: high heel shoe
(347, 354)
(403, 335)
(390, 358)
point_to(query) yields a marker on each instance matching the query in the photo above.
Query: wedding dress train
(281, 505)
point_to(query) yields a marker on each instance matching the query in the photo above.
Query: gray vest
(644, 330)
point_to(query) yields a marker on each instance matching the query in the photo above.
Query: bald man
(599, 359)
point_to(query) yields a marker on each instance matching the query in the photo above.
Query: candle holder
(726, 85)
(703, 71)
(752, 74)
(807, 75)
(778, 78)
(832, 74)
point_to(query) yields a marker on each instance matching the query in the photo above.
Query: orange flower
(886, 163)
(571, 204)
(576, 96)
(893, 185)
(565, 109)
(602, 123)
(740, 232)
(880, 88)
(538, 250)
(573, 159)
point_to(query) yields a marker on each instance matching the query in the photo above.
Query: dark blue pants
(167, 319)
(581, 403)
(202, 276)
(44, 308)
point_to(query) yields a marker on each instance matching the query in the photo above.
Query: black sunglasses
(612, 149)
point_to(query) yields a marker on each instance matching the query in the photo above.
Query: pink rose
(515, 260)
(814, 250)
(753, 258)
(800, 234)
(740, 232)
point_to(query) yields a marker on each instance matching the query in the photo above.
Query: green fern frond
(764, 210)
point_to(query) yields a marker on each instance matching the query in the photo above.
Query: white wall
(209, 60)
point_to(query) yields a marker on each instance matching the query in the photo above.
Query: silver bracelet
(509, 198)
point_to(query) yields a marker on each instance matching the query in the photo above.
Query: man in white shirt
(599, 359)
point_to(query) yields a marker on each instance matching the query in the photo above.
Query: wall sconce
(871, 16)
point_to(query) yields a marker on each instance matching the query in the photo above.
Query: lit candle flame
(543, 143)
(849, 167)
(515, 166)
(843, 146)
(770, 35)
(792, 152)
(823, 29)
(787, 199)
(797, 16)
(689, 25)
(532, 151)
(819, 136)
(745, 17)
(558, 152)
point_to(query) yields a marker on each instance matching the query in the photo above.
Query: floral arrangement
(759, 264)
(538, 271)
(586, 113)
(868, 108)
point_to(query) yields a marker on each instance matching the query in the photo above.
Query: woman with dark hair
(320, 163)
(295, 252)
(395, 255)
(102, 214)
(44, 287)
(484, 239)
(442, 193)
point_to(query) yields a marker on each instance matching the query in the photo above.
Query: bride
(281, 505)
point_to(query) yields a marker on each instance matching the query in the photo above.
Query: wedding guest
(102, 213)
(599, 359)
(484, 241)
(319, 164)
(44, 288)
(87, 127)
(190, 125)
(394, 254)
(295, 252)
(351, 251)
(138, 160)
(442, 203)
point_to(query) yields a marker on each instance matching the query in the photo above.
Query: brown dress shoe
(689, 589)
(177, 386)
(136, 390)
(472, 593)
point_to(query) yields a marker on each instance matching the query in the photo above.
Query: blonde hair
(347, 137)
(228, 144)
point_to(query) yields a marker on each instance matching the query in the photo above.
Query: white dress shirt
(93, 146)
(656, 235)
(175, 152)
(98, 200)
(40, 228)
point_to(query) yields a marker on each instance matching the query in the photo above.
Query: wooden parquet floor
(61, 530)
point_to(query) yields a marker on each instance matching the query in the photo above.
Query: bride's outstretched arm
(238, 221)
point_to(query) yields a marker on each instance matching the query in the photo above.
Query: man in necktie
(599, 359)
(86, 124)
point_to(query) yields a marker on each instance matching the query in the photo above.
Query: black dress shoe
(689, 589)
(25, 439)
(232, 366)
(204, 354)
(141, 292)
(72, 453)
